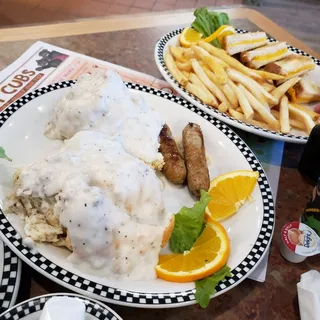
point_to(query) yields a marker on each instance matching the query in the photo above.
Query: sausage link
(174, 168)
(195, 157)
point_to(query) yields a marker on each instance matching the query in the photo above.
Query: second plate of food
(32, 309)
(298, 131)
(117, 265)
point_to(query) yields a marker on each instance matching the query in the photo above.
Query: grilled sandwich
(243, 42)
(291, 66)
(261, 56)
(304, 91)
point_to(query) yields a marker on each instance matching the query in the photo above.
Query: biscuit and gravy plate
(103, 193)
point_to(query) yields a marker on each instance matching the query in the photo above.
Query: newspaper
(43, 64)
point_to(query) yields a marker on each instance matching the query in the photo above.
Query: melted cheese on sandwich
(270, 56)
(307, 67)
(291, 66)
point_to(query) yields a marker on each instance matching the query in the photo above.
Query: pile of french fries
(249, 95)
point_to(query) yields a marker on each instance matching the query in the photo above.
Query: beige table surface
(130, 41)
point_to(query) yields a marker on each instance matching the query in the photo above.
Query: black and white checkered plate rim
(26, 308)
(135, 298)
(159, 56)
(10, 278)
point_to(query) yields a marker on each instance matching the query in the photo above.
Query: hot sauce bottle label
(300, 239)
(311, 215)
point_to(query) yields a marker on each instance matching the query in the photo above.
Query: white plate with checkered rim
(10, 275)
(172, 39)
(31, 309)
(25, 120)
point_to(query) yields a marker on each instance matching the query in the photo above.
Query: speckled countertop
(276, 298)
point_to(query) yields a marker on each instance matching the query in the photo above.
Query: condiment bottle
(309, 164)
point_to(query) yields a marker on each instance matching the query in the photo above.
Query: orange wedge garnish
(189, 36)
(208, 255)
(229, 192)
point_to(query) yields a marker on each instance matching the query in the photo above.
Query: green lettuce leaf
(203, 22)
(207, 286)
(219, 19)
(188, 225)
(208, 22)
(3, 155)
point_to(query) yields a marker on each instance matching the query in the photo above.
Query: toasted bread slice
(291, 66)
(259, 57)
(243, 42)
(304, 91)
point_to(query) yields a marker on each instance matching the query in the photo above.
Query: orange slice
(189, 36)
(229, 192)
(208, 255)
(219, 34)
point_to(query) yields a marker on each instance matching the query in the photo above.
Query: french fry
(219, 62)
(244, 103)
(284, 87)
(303, 116)
(197, 82)
(226, 91)
(221, 81)
(177, 53)
(184, 66)
(297, 124)
(226, 88)
(293, 122)
(259, 108)
(198, 92)
(223, 107)
(215, 66)
(186, 74)
(254, 87)
(189, 54)
(193, 78)
(249, 83)
(239, 116)
(210, 74)
(207, 82)
(284, 115)
(269, 75)
(267, 86)
(315, 116)
(232, 62)
(206, 46)
(171, 65)
(232, 97)
(257, 117)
